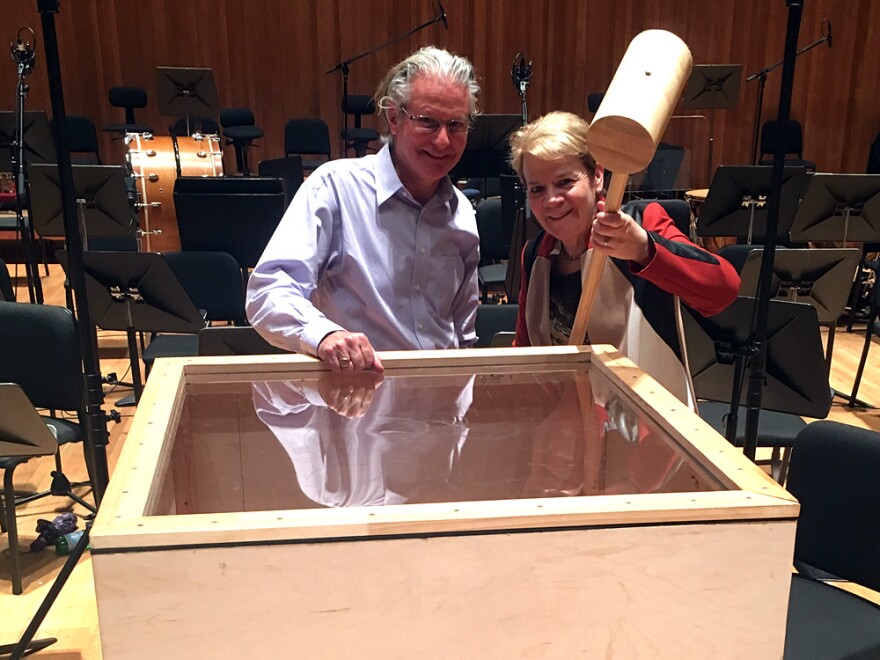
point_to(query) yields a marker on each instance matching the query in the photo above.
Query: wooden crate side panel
(674, 591)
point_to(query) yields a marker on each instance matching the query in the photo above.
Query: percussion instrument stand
(345, 64)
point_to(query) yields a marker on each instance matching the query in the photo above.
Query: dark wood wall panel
(271, 55)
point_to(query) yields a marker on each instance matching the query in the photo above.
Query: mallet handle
(597, 264)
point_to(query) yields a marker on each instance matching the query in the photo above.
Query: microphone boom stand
(758, 362)
(761, 77)
(25, 229)
(345, 64)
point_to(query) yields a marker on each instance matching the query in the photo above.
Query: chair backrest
(306, 136)
(213, 281)
(358, 105)
(678, 209)
(6, 291)
(789, 133)
(128, 98)
(236, 117)
(491, 229)
(82, 139)
(39, 350)
(492, 319)
(833, 474)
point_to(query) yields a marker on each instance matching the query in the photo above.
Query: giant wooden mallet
(628, 126)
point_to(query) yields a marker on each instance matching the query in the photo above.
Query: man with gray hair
(381, 252)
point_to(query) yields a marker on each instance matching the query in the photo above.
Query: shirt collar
(388, 183)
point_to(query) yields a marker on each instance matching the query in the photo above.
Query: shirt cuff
(314, 332)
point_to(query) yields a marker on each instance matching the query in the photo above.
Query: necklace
(565, 255)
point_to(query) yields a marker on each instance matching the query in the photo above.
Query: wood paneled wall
(271, 55)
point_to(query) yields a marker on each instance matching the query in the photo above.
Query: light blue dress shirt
(354, 251)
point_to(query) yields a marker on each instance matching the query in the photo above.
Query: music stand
(102, 201)
(712, 87)
(719, 348)
(39, 142)
(818, 277)
(839, 207)
(22, 431)
(234, 340)
(136, 292)
(237, 215)
(485, 154)
(186, 92)
(736, 204)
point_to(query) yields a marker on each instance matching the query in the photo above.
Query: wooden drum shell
(156, 162)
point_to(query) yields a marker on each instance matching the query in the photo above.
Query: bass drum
(155, 162)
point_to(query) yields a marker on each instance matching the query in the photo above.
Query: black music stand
(186, 92)
(136, 292)
(818, 277)
(712, 87)
(39, 142)
(736, 204)
(839, 207)
(102, 201)
(237, 215)
(485, 155)
(719, 348)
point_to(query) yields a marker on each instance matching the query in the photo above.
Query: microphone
(828, 36)
(443, 15)
(521, 70)
(22, 52)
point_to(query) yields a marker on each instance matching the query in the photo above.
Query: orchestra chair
(496, 325)
(39, 350)
(792, 138)
(358, 138)
(128, 98)
(677, 209)
(213, 282)
(716, 348)
(289, 169)
(240, 131)
(492, 271)
(833, 475)
(307, 137)
(871, 330)
(23, 435)
(82, 139)
(6, 291)
(594, 100)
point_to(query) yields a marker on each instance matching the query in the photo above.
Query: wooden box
(547, 502)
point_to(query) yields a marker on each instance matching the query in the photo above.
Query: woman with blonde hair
(652, 264)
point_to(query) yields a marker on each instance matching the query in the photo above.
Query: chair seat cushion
(827, 622)
(360, 134)
(775, 429)
(171, 346)
(243, 132)
(492, 274)
(13, 461)
(65, 430)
